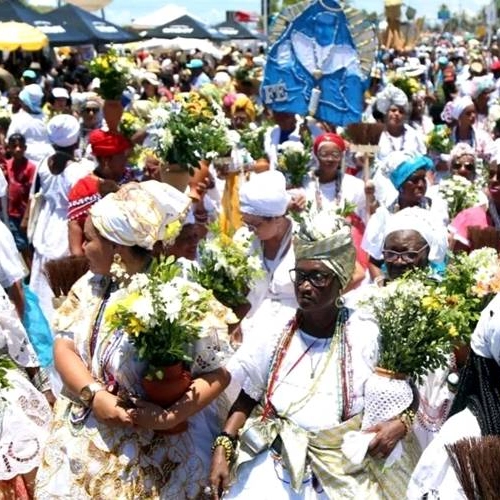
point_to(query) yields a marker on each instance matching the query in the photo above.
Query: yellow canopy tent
(22, 36)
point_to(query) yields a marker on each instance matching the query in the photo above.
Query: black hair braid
(479, 390)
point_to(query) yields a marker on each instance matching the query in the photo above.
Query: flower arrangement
(469, 283)
(114, 73)
(439, 140)
(294, 161)
(252, 139)
(130, 124)
(416, 330)
(409, 85)
(187, 130)
(459, 194)
(164, 314)
(227, 266)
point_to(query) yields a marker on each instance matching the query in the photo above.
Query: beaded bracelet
(407, 418)
(227, 443)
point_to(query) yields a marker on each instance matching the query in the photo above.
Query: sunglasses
(407, 257)
(91, 110)
(317, 279)
(468, 166)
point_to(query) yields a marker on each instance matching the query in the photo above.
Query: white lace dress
(25, 415)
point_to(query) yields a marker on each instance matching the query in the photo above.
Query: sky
(124, 11)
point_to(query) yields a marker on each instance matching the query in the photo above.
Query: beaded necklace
(317, 191)
(337, 347)
(392, 142)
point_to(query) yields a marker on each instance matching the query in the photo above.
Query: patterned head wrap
(462, 149)
(326, 237)
(138, 214)
(391, 96)
(328, 137)
(243, 103)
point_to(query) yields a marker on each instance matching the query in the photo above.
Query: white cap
(60, 93)
(63, 130)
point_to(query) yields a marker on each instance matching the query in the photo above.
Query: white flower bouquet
(459, 194)
(164, 315)
(294, 161)
(227, 266)
(415, 337)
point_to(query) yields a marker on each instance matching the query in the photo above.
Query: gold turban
(327, 237)
(243, 103)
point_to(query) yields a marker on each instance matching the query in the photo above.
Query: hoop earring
(118, 270)
(339, 302)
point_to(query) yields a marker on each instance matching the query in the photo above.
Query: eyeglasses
(318, 279)
(91, 110)
(407, 257)
(336, 155)
(469, 166)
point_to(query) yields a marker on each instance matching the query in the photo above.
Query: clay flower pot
(175, 175)
(112, 111)
(176, 381)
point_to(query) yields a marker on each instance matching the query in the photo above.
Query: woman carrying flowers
(303, 390)
(104, 442)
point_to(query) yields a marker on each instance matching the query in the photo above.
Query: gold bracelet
(407, 418)
(227, 444)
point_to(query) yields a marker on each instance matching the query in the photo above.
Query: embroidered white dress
(25, 415)
(264, 477)
(85, 458)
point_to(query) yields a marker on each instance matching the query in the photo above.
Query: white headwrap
(264, 195)
(462, 149)
(390, 96)
(485, 340)
(420, 220)
(459, 105)
(63, 130)
(138, 214)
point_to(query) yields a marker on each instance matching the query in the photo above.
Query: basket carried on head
(63, 273)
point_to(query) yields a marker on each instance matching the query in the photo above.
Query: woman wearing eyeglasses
(302, 390)
(90, 119)
(411, 242)
(329, 187)
(407, 175)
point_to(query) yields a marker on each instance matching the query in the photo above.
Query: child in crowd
(19, 172)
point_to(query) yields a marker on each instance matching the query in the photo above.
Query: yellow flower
(172, 231)
(430, 303)
(452, 330)
(135, 327)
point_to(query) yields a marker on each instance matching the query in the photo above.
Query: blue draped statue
(313, 68)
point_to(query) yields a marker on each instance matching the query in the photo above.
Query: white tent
(159, 17)
(185, 44)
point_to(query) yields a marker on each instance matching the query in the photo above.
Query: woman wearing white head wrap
(475, 411)
(397, 135)
(94, 430)
(56, 175)
(412, 240)
(263, 205)
(463, 112)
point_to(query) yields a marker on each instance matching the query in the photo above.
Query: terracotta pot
(175, 175)
(261, 166)
(199, 175)
(222, 166)
(112, 111)
(176, 381)
(390, 374)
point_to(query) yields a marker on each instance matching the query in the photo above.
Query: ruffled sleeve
(251, 364)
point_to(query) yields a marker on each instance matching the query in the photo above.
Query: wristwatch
(89, 391)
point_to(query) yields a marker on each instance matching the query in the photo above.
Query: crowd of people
(267, 416)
